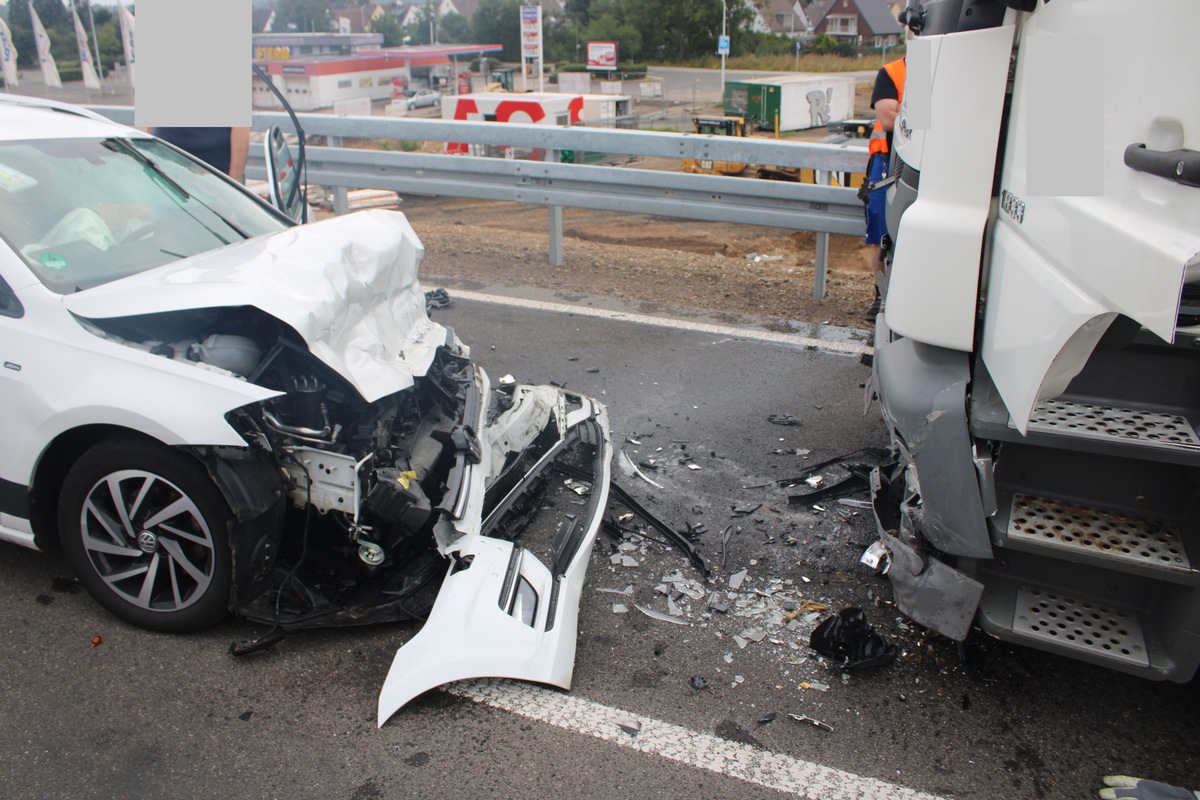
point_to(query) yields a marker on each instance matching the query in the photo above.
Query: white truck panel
(934, 281)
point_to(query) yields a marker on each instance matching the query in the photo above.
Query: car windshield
(84, 212)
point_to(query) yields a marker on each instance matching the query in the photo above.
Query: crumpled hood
(347, 285)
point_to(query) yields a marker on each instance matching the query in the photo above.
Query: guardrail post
(341, 201)
(822, 260)
(556, 223)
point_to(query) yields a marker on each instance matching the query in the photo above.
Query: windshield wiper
(147, 162)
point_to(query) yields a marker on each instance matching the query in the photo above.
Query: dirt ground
(654, 263)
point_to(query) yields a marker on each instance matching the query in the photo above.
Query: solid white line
(792, 340)
(692, 748)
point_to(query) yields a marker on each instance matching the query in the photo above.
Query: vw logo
(147, 541)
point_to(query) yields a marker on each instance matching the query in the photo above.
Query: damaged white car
(211, 409)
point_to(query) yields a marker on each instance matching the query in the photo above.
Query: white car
(423, 98)
(211, 409)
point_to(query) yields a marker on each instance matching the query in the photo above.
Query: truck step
(1075, 529)
(1080, 625)
(1108, 424)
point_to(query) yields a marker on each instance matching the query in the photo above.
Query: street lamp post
(724, 33)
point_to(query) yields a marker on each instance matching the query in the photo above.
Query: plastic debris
(715, 603)
(728, 658)
(631, 726)
(673, 609)
(506, 380)
(699, 682)
(627, 591)
(633, 468)
(816, 723)
(848, 637)
(630, 561)
(744, 509)
(816, 685)
(592, 370)
(436, 298)
(766, 719)
(740, 642)
(876, 556)
(578, 487)
(784, 419)
(846, 501)
(96, 641)
(753, 634)
(658, 615)
(620, 608)
(678, 539)
(694, 466)
(735, 580)
(815, 481)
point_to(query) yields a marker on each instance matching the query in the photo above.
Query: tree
(304, 15)
(454, 28)
(499, 22)
(390, 27)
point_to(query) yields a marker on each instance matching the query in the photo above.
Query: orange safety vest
(896, 70)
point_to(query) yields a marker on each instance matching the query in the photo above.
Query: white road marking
(790, 339)
(692, 748)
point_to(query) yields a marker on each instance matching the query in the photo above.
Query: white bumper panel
(481, 624)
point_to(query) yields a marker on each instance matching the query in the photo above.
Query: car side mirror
(284, 173)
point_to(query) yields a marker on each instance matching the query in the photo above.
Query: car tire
(147, 532)
(437, 102)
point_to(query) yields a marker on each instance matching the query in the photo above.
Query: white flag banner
(49, 68)
(8, 56)
(90, 79)
(126, 20)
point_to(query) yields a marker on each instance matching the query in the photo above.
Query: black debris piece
(784, 419)
(676, 538)
(766, 719)
(592, 370)
(436, 298)
(848, 638)
(699, 682)
(743, 509)
(245, 716)
(859, 480)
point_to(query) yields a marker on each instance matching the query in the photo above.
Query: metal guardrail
(819, 208)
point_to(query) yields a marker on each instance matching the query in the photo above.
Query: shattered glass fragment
(735, 580)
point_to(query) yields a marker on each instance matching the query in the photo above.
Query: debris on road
(816, 723)
(784, 419)
(658, 615)
(735, 580)
(848, 637)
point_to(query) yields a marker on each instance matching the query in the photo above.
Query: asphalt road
(146, 715)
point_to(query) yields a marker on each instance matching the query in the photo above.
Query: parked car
(423, 98)
(212, 409)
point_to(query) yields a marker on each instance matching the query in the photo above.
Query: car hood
(347, 285)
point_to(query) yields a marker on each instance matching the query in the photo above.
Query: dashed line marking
(692, 748)
(789, 339)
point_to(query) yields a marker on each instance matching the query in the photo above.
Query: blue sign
(722, 45)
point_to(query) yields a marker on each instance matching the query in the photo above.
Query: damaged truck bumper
(504, 611)
(923, 396)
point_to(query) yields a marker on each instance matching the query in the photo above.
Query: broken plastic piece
(658, 615)
(848, 637)
(767, 718)
(633, 468)
(96, 641)
(699, 682)
(784, 419)
(631, 726)
(627, 591)
(876, 557)
(678, 539)
(436, 298)
(735, 580)
(814, 722)
(620, 608)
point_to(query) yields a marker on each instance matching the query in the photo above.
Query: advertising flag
(127, 36)
(45, 59)
(90, 79)
(8, 55)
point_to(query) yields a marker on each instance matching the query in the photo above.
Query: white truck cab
(1038, 351)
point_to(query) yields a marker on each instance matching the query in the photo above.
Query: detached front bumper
(502, 611)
